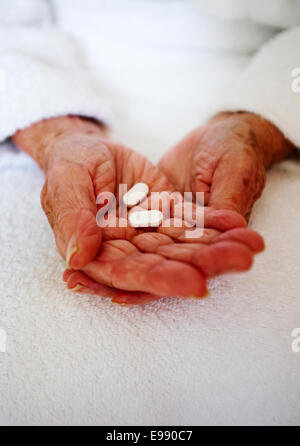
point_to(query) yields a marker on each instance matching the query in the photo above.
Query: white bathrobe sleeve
(42, 72)
(270, 85)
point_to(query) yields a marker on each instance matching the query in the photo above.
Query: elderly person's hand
(226, 159)
(130, 265)
(164, 265)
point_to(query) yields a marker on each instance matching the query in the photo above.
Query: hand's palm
(147, 265)
(221, 159)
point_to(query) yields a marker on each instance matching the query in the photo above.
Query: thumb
(69, 202)
(85, 240)
(237, 182)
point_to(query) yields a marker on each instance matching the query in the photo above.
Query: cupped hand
(136, 266)
(226, 159)
(130, 265)
(77, 165)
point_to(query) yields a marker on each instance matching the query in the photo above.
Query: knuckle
(203, 165)
(44, 196)
(46, 204)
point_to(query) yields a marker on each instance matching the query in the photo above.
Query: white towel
(73, 359)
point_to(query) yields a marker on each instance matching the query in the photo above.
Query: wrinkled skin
(129, 265)
(226, 159)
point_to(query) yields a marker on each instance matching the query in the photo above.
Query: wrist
(265, 138)
(39, 139)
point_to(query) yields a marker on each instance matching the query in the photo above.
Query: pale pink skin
(135, 266)
(227, 160)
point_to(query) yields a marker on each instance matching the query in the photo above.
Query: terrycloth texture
(81, 360)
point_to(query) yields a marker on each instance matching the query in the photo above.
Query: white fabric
(81, 360)
(44, 75)
(270, 85)
(25, 12)
(280, 13)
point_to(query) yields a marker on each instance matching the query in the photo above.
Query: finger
(149, 242)
(223, 257)
(248, 237)
(121, 231)
(188, 235)
(67, 273)
(76, 280)
(176, 163)
(167, 236)
(202, 172)
(214, 221)
(122, 266)
(69, 202)
(85, 240)
(208, 217)
(81, 283)
(126, 298)
(237, 182)
(223, 219)
(212, 260)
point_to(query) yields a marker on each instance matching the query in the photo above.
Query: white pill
(145, 219)
(136, 194)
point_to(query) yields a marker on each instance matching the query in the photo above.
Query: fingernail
(118, 303)
(70, 253)
(207, 294)
(76, 288)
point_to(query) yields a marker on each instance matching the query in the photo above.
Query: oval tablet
(136, 194)
(145, 219)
